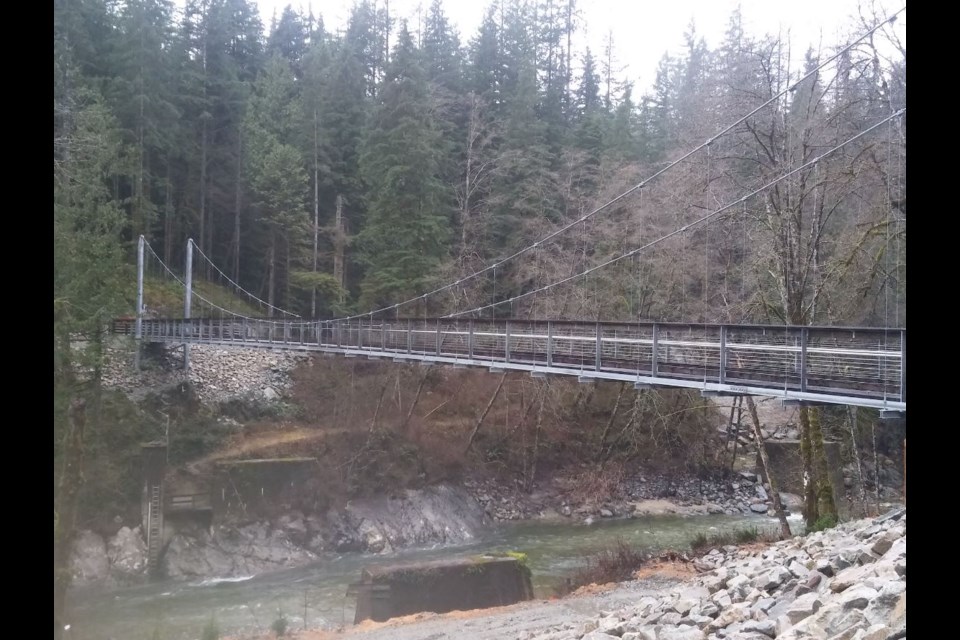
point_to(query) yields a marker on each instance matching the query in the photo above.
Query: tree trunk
(316, 212)
(852, 421)
(483, 415)
(203, 187)
(825, 502)
(376, 414)
(237, 202)
(810, 514)
(168, 219)
(338, 245)
(272, 267)
(65, 510)
(536, 441)
(736, 430)
(416, 399)
(613, 417)
(768, 471)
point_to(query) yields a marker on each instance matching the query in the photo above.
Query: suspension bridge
(858, 366)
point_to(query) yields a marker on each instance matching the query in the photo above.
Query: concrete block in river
(388, 591)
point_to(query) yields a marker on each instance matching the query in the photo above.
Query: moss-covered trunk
(65, 510)
(825, 503)
(810, 512)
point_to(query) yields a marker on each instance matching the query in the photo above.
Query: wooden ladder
(154, 528)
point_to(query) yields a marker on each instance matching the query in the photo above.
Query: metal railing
(846, 365)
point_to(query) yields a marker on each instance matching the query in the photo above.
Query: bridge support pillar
(138, 336)
(188, 297)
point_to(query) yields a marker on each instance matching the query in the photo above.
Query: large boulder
(89, 562)
(127, 553)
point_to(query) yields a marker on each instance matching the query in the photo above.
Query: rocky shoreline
(638, 494)
(846, 583)
(435, 515)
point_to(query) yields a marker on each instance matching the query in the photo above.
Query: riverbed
(314, 595)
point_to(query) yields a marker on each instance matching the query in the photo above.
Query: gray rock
(762, 493)
(758, 508)
(731, 615)
(611, 625)
(876, 632)
(737, 584)
(783, 624)
(684, 605)
(846, 625)
(88, 559)
(680, 633)
(696, 620)
(127, 552)
(766, 627)
(641, 634)
(772, 579)
(764, 604)
(599, 635)
(722, 599)
(712, 583)
(893, 514)
(802, 607)
(884, 543)
(823, 566)
(606, 513)
(869, 531)
(798, 570)
(851, 576)
(857, 597)
(671, 617)
(270, 394)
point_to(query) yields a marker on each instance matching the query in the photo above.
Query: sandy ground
(514, 621)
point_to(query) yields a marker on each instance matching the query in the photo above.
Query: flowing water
(179, 610)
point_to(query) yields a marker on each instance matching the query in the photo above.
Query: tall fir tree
(408, 223)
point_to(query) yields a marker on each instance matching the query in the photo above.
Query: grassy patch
(614, 564)
(703, 542)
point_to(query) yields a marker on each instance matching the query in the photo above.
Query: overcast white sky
(643, 29)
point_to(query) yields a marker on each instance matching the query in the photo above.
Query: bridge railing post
(599, 348)
(903, 369)
(506, 340)
(804, 339)
(723, 354)
(654, 352)
(470, 338)
(549, 343)
(438, 336)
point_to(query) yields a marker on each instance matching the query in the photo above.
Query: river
(315, 595)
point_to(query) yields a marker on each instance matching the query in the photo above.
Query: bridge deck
(841, 365)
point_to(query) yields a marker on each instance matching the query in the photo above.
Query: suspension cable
(695, 223)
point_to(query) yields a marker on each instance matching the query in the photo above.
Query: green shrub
(211, 631)
(823, 523)
(279, 624)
